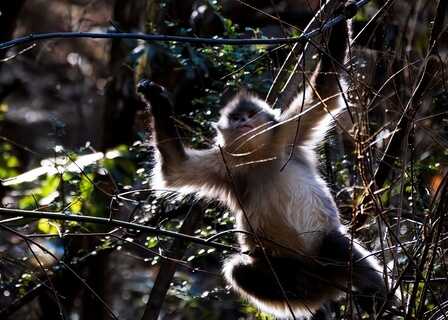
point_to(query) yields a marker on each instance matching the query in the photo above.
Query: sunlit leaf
(47, 227)
(151, 242)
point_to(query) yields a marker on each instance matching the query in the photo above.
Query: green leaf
(86, 185)
(49, 185)
(151, 242)
(47, 227)
(28, 202)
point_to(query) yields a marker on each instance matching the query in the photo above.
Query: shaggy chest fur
(288, 206)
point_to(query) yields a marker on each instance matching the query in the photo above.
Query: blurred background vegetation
(74, 139)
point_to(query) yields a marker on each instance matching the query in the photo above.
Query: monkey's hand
(165, 135)
(154, 95)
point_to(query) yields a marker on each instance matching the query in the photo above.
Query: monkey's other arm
(322, 94)
(177, 167)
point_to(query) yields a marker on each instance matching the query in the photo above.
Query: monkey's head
(243, 123)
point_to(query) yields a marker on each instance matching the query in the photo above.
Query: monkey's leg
(371, 291)
(166, 135)
(365, 273)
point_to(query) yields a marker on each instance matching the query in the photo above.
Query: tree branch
(115, 223)
(195, 40)
(431, 65)
(168, 266)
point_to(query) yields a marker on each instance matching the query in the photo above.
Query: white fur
(278, 196)
(290, 205)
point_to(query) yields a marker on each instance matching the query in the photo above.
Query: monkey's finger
(148, 87)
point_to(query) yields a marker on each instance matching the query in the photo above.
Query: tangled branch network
(208, 41)
(32, 38)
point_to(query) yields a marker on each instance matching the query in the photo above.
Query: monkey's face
(244, 123)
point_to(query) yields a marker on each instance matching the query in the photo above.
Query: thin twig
(66, 266)
(114, 223)
(36, 37)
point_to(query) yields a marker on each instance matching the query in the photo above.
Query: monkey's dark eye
(234, 117)
(251, 113)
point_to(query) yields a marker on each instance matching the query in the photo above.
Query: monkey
(296, 255)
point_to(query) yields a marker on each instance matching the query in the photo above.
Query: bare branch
(192, 40)
(113, 223)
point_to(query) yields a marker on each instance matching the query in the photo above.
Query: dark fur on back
(307, 280)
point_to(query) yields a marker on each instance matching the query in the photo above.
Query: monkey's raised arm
(165, 133)
(177, 167)
(324, 86)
